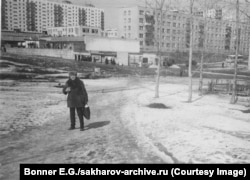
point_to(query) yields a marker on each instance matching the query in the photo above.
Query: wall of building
(38, 15)
(128, 23)
(65, 54)
(74, 31)
(111, 44)
(175, 35)
(122, 58)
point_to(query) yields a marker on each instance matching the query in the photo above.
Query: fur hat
(73, 73)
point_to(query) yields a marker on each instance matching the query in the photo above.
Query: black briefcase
(86, 112)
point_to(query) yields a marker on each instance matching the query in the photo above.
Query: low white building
(74, 31)
(112, 33)
(103, 47)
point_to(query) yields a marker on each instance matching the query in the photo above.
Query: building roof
(67, 39)
(11, 38)
(20, 36)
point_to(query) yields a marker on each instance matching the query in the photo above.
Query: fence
(65, 54)
(226, 86)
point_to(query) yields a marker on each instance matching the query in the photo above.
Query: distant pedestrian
(77, 98)
(3, 48)
(106, 61)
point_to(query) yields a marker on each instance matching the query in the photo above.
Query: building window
(141, 27)
(129, 20)
(129, 27)
(141, 20)
(141, 35)
(141, 43)
(141, 12)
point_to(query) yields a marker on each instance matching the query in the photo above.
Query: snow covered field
(208, 130)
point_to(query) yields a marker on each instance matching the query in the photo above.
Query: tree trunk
(201, 73)
(202, 55)
(249, 58)
(159, 54)
(233, 98)
(190, 53)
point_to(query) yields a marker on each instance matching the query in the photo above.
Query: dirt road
(106, 139)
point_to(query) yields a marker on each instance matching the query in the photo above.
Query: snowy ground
(208, 130)
(123, 129)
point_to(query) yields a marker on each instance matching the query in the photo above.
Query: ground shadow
(194, 100)
(95, 125)
(245, 111)
(197, 99)
(158, 106)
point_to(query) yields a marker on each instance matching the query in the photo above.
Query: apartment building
(144, 25)
(38, 15)
(214, 13)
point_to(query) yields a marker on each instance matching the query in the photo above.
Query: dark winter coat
(77, 97)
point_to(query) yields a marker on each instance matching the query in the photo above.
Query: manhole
(158, 106)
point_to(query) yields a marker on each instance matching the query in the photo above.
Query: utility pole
(233, 98)
(190, 52)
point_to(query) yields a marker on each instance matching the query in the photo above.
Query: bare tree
(233, 98)
(247, 14)
(205, 5)
(203, 34)
(159, 51)
(190, 52)
(159, 5)
(244, 12)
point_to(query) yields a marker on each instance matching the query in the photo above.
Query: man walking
(76, 100)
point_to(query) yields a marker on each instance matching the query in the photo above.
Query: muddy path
(106, 139)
